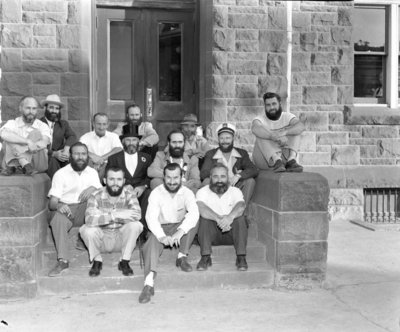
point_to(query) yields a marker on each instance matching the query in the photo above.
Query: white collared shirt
(22, 129)
(68, 184)
(131, 161)
(101, 145)
(282, 122)
(228, 163)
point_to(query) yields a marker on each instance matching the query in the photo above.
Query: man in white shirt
(25, 141)
(221, 208)
(101, 143)
(172, 217)
(70, 189)
(277, 137)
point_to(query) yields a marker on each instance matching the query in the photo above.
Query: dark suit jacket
(244, 164)
(139, 178)
(62, 135)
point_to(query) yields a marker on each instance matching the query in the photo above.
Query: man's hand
(236, 178)
(84, 196)
(166, 241)
(64, 209)
(282, 141)
(96, 159)
(176, 237)
(32, 146)
(225, 223)
(60, 155)
(138, 191)
(126, 215)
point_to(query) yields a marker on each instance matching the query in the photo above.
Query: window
(376, 52)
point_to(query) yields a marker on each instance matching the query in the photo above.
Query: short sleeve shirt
(19, 127)
(282, 122)
(101, 145)
(221, 205)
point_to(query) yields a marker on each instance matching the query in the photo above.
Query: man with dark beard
(221, 208)
(241, 170)
(70, 189)
(277, 137)
(172, 218)
(25, 141)
(62, 134)
(175, 154)
(112, 222)
(134, 122)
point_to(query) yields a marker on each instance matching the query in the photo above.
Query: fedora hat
(190, 119)
(52, 99)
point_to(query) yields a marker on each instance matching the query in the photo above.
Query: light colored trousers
(100, 240)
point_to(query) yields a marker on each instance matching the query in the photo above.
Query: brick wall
(44, 51)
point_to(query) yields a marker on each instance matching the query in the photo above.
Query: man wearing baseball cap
(62, 134)
(241, 170)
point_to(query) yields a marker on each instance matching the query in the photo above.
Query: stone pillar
(291, 213)
(23, 227)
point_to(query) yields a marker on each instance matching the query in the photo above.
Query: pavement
(361, 293)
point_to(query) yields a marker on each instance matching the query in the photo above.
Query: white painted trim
(289, 52)
(393, 62)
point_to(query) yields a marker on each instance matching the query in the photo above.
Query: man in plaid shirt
(112, 222)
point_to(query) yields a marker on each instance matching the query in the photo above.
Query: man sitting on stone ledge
(277, 137)
(112, 222)
(71, 187)
(25, 141)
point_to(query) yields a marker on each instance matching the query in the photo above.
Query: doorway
(146, 56)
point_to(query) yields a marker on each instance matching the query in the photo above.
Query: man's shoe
(241, 263)
(204, 263)
(293, 166)
(183, 264)
(9, 170)
(279, 167)
(96, 268)
(146, 294)
(123, 266)
(60, 266)
(28, 169)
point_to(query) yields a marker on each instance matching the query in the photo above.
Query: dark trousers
(209, 234)
(144, 202)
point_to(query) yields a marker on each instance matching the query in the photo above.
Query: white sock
(180, 255)
(149, 281)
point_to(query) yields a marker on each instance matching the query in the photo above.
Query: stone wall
(45, 50)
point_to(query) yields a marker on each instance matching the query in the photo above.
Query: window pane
(368, 76)
(369, 29)
(170, 59)
(121, 60)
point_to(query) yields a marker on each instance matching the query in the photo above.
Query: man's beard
(29, 118)
(130, 148)
(114, 193)
(54, 117)
(226, 149)
(219, 187)
(172, 191)
(76, 167)
(176, 152)
(274, 114)
(134, 122)
(189, 133)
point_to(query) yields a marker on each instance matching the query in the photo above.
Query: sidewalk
(361, 293)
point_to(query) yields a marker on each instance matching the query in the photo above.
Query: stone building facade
(300, 49)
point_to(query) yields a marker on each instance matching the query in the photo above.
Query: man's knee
(133, 227)
(89, 232)
(59, 219)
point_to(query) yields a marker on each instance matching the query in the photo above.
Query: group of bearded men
(121, 190)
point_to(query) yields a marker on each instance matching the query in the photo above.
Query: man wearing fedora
(134, 163)
(62, 134)
(195, 145)
(241, 170)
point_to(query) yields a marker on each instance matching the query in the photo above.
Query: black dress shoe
(241, 263)
(28, 169)
(183, 264)
(125, 268)
(96, 268)
(146, 294)
(204, 263)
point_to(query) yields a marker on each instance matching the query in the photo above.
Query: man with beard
(175, 154)
(221, 208)
(172, 218)
(112, 222)
(277, 137)
(241, 171)
(25, 141)
(135, 165)
(101, 143)
(134, 122)
(62, 134)
(70, 189)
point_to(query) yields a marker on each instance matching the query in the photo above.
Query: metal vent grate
(381, 205)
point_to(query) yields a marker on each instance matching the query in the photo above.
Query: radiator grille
(381, 205)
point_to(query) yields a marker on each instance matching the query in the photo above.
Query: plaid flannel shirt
(99, 208)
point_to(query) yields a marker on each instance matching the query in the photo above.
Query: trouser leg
(144, 202)
(265, 153)
(152, 250)
(247, 187)
(239, 233)
(129, 234)
(93, 238)
(207, 234)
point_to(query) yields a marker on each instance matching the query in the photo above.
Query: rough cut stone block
(277, 18)
(319, 95)
(246, 90)
(247, 2)
(323, 59)
(243, 113)
(248, 21)
(276, 84)
(44, 41)
(18, 290)
(16, 264)
(273, 41)
(378, 161)
(342, 75)
(224, 40)
(291, 192)
(341, 35)
(245, 137)
(345, 56)
(307, 142)
(16, 36)
(389, 148)
(345, 94)
(311, 78)
(44, 30)
(46, 78)
(33, 17)
(223, 86)
(380, 132)
(315, 158)
(301, 61)
(68, 36)
(247, 79)
(336, 118)
(74, 13)
(346, 197)
(242, 67)
(45, 90)
(50, 54)
(308, 41)
(324, 148)
(9, 107)
(345, 155)
(246, 46)
(301, 21)
(324, 38)
(11, 11)
(324, 18)
(220, 16)
(276, 64)
(78, 61)
(74, 85)
(346, 212)
(78, 109)
(247, 34)
(45, 66)
(344, 16)
(11, 60)
(314, 121)
(16, 84)
(43, 5)
(337, 138)
(220, 63)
